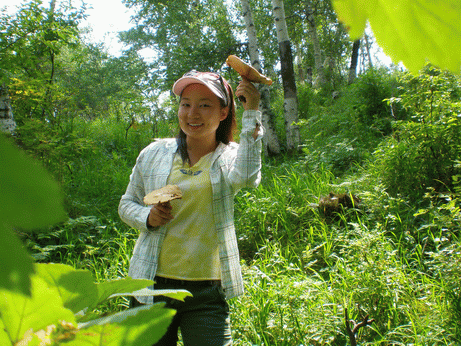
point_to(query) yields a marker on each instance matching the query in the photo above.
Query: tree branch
(356, 326)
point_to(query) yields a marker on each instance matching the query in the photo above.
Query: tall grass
(298, 289)
(283, 208)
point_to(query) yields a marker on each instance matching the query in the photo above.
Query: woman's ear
(224, 113)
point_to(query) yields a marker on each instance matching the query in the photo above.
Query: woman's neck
(197, 149)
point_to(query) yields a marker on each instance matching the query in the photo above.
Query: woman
(190, 243)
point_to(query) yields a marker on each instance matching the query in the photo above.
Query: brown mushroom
(246, 71)
(163, 195)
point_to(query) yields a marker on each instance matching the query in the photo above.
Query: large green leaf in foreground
(409, 31)
(141, 326)
(44, 307)
(4, 338)
(17, 265)
(75, 287)
(58, 291)
(30, 199)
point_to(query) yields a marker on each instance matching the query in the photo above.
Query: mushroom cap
(163, 195)
(246, 71)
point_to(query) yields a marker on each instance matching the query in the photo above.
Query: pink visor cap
(213, 81)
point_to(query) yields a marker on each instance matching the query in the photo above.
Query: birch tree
(7, 123)
(271, 141)
(313, 35)
(290, 104)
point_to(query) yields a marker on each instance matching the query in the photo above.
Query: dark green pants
(203, 318)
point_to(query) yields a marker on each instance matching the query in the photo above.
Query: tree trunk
(367, 44)
(300, 64)
(354, 60)
(47, 103)
(7, 123)
(309, 78)
(288, 77)
(318, 56)
(271, 141)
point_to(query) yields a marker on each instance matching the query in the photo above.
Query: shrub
(369, 95)
(423, 152)
(341, 133)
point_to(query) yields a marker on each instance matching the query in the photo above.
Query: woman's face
(200, 112)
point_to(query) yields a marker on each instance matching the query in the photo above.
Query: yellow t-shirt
(190, 249)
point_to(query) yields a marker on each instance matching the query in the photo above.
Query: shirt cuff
(251, 119)
(145, 215)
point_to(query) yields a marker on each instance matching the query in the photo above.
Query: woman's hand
(250, 93)
(160, 214)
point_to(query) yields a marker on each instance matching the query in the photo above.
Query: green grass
(302, 271)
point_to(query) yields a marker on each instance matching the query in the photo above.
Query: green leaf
(17, 265)
(120, 287)
(141, 326)
(175, 294)
(19, 313)
(412, 32)
(31, 199)
(354, 14)
(130, 287)
(75, 287)
(4, 339)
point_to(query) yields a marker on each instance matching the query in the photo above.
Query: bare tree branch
(356, 326)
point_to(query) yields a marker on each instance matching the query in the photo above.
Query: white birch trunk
(318, 56)
(7, 123)
(271, 141)
(288, 77)
(367, 45)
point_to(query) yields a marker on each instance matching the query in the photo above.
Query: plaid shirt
(233, 167)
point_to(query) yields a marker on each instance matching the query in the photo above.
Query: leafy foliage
(423, 153)
(54, 77)
(448, 272)
(96, 84)
(31, 41)
(185, 34)
(341, 133)
(370, 93)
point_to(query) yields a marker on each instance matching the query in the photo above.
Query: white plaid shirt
(233, 167)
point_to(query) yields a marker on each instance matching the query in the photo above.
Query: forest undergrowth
(364, 222)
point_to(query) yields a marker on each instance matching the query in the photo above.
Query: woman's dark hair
(225, 131)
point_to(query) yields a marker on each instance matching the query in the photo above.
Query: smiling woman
(191, 243)
(200, 115)
(206, 114)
